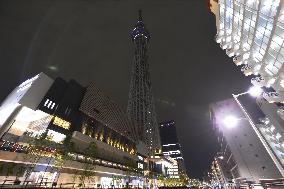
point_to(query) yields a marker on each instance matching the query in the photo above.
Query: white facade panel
(37, 90)
(28, 94)
(253, 160)
(253, 32)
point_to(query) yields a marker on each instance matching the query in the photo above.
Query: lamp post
(256, 91)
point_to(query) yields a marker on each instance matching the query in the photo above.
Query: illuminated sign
(61, 123)
(140, 158)
(140, 165)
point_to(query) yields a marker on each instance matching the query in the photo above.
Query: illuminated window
(52, 106)
(61, 123)
(46, 102)
(49, 104)
(84, 129)
(140, 165)
(55, 136)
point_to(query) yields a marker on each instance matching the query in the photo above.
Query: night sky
(89, 40)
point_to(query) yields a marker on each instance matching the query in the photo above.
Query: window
(49, 104)
(61, 123)
(55, 136)
(46, 102)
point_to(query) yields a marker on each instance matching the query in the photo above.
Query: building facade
(271, 129)
(58, 110)
(252, 31)
(141, 106)
(171, 147)
(247, 160)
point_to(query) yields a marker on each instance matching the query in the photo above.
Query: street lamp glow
(255, 91)
(230, 121)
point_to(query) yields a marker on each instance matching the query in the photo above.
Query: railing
(246, 67)
(46, 151)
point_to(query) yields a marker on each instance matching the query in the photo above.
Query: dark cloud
(90, 41)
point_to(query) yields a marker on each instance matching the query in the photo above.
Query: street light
(230, 121)
(253, 91)
(257, 91)
(221, 157)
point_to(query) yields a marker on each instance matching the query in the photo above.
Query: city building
(59, 132)
(218, 177)
(61, 110)
(224, 169)
(245, 160)
(271, 127)
(166, 165)
(141, 106)
(171, 146)
(252, 31)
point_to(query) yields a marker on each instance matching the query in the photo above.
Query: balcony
(224, 45)
(272, 97)
(247, 69)
(258, 81)
(238, 60)
(230, 52)
(218, 38)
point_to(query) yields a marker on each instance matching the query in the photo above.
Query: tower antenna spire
(141, 105)
(140, 14)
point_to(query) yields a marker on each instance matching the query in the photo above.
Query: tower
(141, 106)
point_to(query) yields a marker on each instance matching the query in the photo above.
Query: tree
(41, 147)
(131, 168)
(88, 167)
(161, 180)
(63, 154)
(34, 152)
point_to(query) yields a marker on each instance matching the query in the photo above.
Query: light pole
(256, 91)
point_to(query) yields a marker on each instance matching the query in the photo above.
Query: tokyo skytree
(141, 107)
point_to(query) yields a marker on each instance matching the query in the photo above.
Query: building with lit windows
(218, 177)
(242, 159)
(171, 146)
(66, 109)
(271, 128)
(252, 31)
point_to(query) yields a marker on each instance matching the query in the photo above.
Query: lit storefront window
(55, 136)
(30, 122)
(61, 123)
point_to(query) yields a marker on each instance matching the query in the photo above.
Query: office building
(171, 146)
(252, 32)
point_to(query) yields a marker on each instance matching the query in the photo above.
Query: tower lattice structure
(141, 107)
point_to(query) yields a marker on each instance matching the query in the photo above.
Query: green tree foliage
(88, 168)
(37, 151)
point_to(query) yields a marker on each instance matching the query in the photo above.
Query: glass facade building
(252, 31)
(171, 147)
